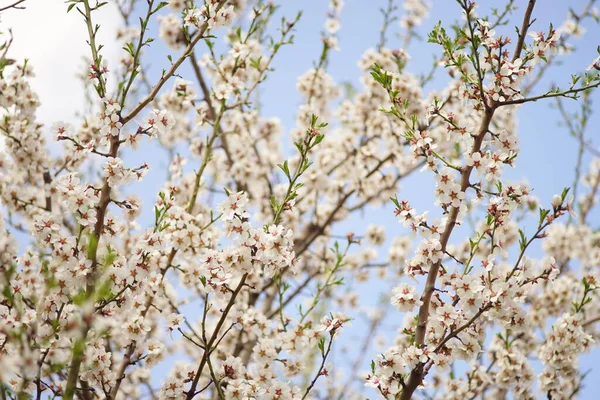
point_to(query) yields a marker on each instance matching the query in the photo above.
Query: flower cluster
(240, 261)
(213, 14)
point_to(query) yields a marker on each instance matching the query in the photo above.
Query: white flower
(375, 234)
(173, 321)
(556, 201)
(332, 25)
(234, 204)
(594, 65)
(159, 121)
(61, 130)
(116, 173)
(404, 297)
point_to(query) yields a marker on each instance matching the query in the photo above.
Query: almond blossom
(175, 240)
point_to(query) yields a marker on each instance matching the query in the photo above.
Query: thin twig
(14, 5)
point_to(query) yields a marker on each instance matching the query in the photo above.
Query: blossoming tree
(242, 282)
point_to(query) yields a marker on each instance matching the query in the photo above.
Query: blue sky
(547, 155)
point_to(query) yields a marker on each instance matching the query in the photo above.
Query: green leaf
(285, 168)
(321, 344)
(543, 214)
(274, 204)
(318, 139)
(522, 240)
(157, 212)
(161, 5)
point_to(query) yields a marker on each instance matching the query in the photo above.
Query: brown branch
(564, 38)
(368, 340)
(14, 5)
(293, 295)
(321, 370)
(121, 372)
(591, 321)
(417, 374)
(203, 86)
(458, 330)
(75, 366)
(186, 53)
(192, 391)
(206, 92)
(564, 93)
(523, 32)
(173, 253)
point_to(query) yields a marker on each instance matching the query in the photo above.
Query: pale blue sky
(547, 155)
